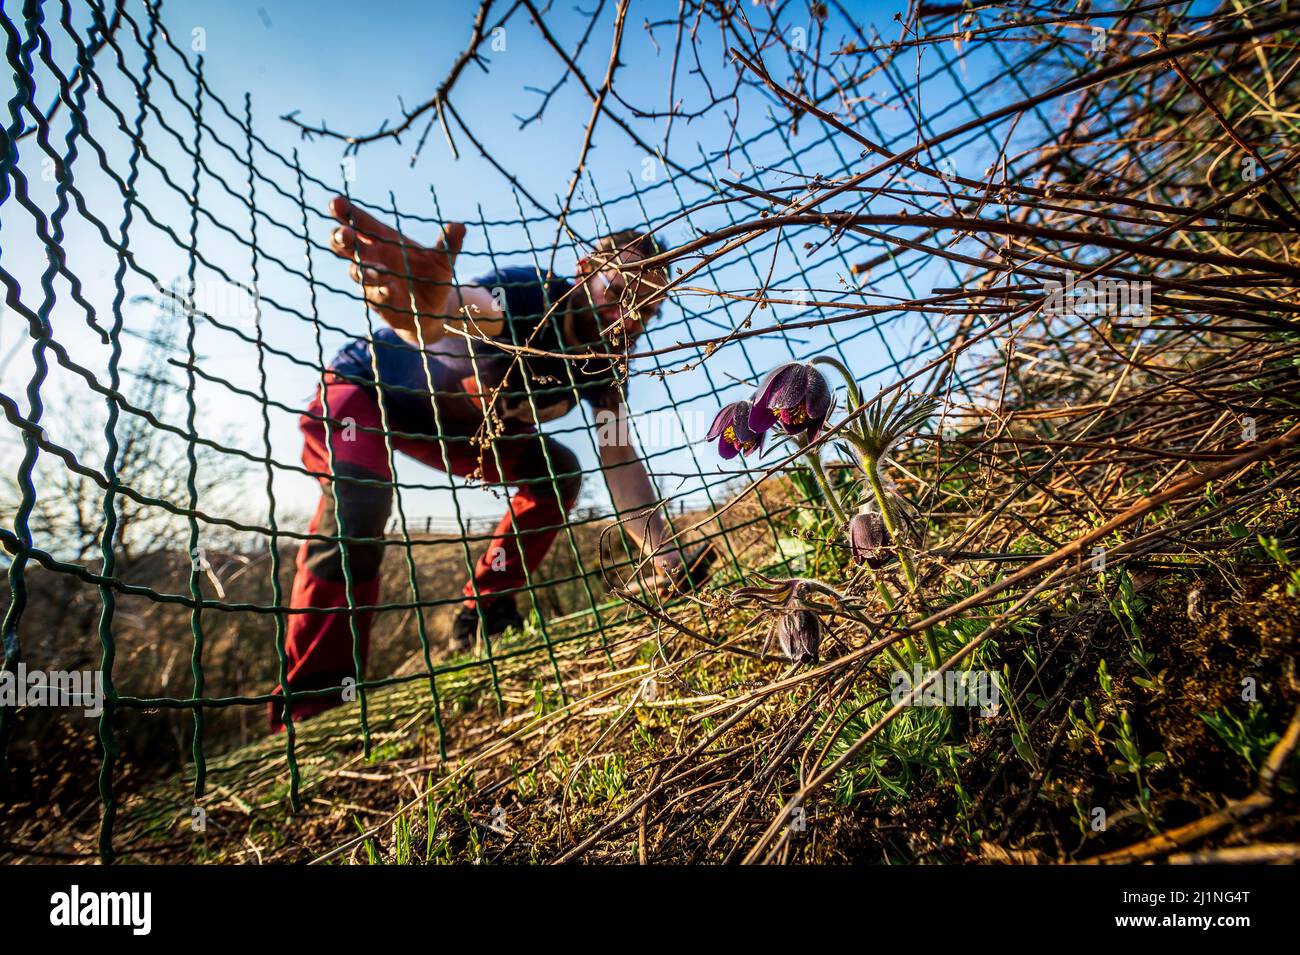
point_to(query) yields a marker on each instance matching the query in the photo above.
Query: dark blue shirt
(465, 375)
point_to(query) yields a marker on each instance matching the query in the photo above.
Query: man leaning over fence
(454, 401)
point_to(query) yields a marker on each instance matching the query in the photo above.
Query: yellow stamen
(795, 415)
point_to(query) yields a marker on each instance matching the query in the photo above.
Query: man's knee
(362, 511)
(567, 473)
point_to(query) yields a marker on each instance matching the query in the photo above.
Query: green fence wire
(172, 179)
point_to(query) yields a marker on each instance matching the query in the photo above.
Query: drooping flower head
(794, 395)
(732, 431)
(799, 634)
(868, 539)
(795, 606)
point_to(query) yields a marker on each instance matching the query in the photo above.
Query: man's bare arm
(633, 494)
(473, 310)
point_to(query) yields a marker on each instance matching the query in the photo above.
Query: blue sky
(347, 64)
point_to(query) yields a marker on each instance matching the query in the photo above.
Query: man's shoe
(498, 616)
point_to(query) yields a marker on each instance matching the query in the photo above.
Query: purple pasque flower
(796, 396)
(732, 431)
(869, 539)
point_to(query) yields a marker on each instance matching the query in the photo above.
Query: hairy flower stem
(857, 436)
(872, 469)
(890, 604)
(850, 383)
(837, 509)
(827, 491)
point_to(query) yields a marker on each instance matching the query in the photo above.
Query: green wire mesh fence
(223, 208)
(223, 293)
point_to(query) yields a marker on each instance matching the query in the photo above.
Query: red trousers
(319, 645)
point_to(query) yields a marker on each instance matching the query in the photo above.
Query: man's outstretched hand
(390, 268)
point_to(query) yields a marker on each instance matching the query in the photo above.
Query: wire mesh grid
(222, 293)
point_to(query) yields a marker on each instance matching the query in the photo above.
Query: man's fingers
(371, 228)
(384, 294)
(451, 239)
(362, 236)
(389, 267)
(346, 243)
(365, 236)
(365, 259)
(369, 275)
(379, 288)
(342, 240)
